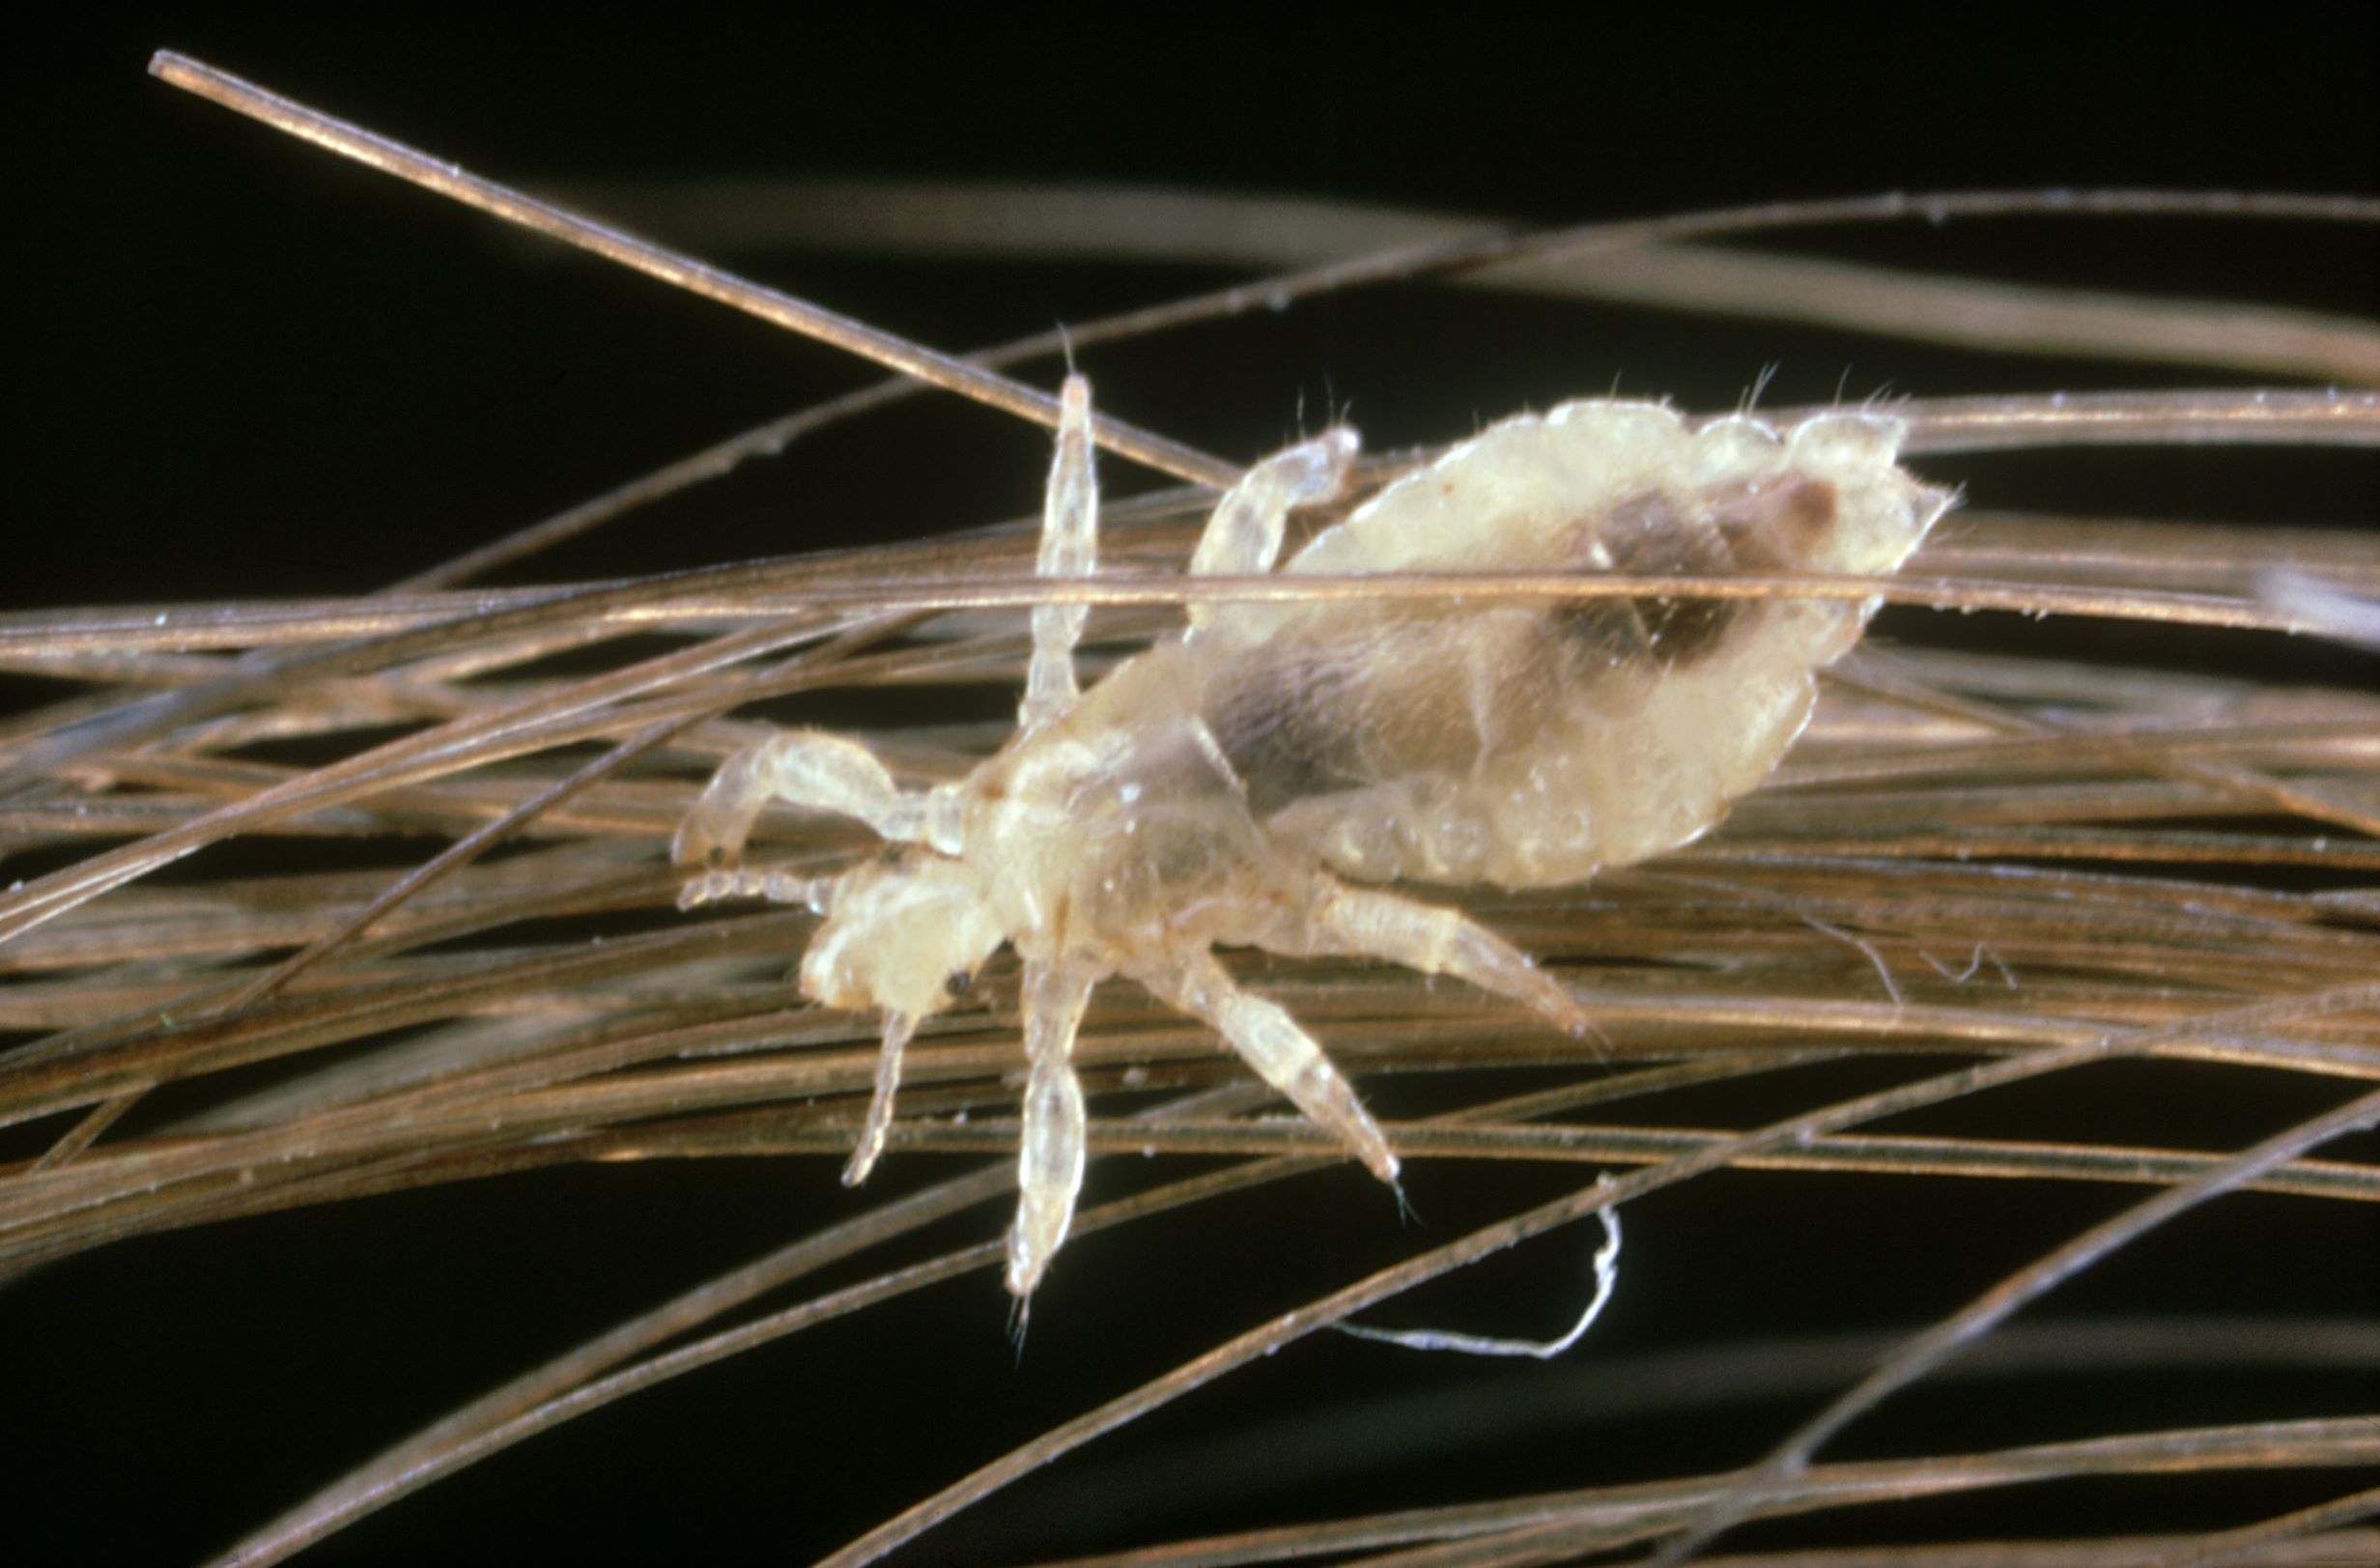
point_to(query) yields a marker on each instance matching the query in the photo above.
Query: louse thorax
(1115, 829)
(1529, 744)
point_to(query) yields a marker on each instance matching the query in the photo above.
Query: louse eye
(959, 983)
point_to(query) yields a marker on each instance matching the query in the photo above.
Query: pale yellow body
(1216, 789)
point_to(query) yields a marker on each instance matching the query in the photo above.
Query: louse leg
(805, 767)
(1243, 537)
(1436, 941)
(897, 1028)
(1283, 1054)
(1070, 548)
(1050, 1157)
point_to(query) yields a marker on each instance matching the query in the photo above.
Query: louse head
(903, 934)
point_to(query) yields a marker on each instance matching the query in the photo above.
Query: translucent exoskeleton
(1237, 786)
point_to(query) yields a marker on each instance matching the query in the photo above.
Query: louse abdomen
(1530, 743)
(1780, 526)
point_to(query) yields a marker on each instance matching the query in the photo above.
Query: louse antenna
(674, 268)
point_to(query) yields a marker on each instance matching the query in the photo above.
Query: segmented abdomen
(1531, 742)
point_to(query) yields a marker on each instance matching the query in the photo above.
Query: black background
(247, 369)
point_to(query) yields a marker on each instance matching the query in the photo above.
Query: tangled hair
(1988, 1102)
